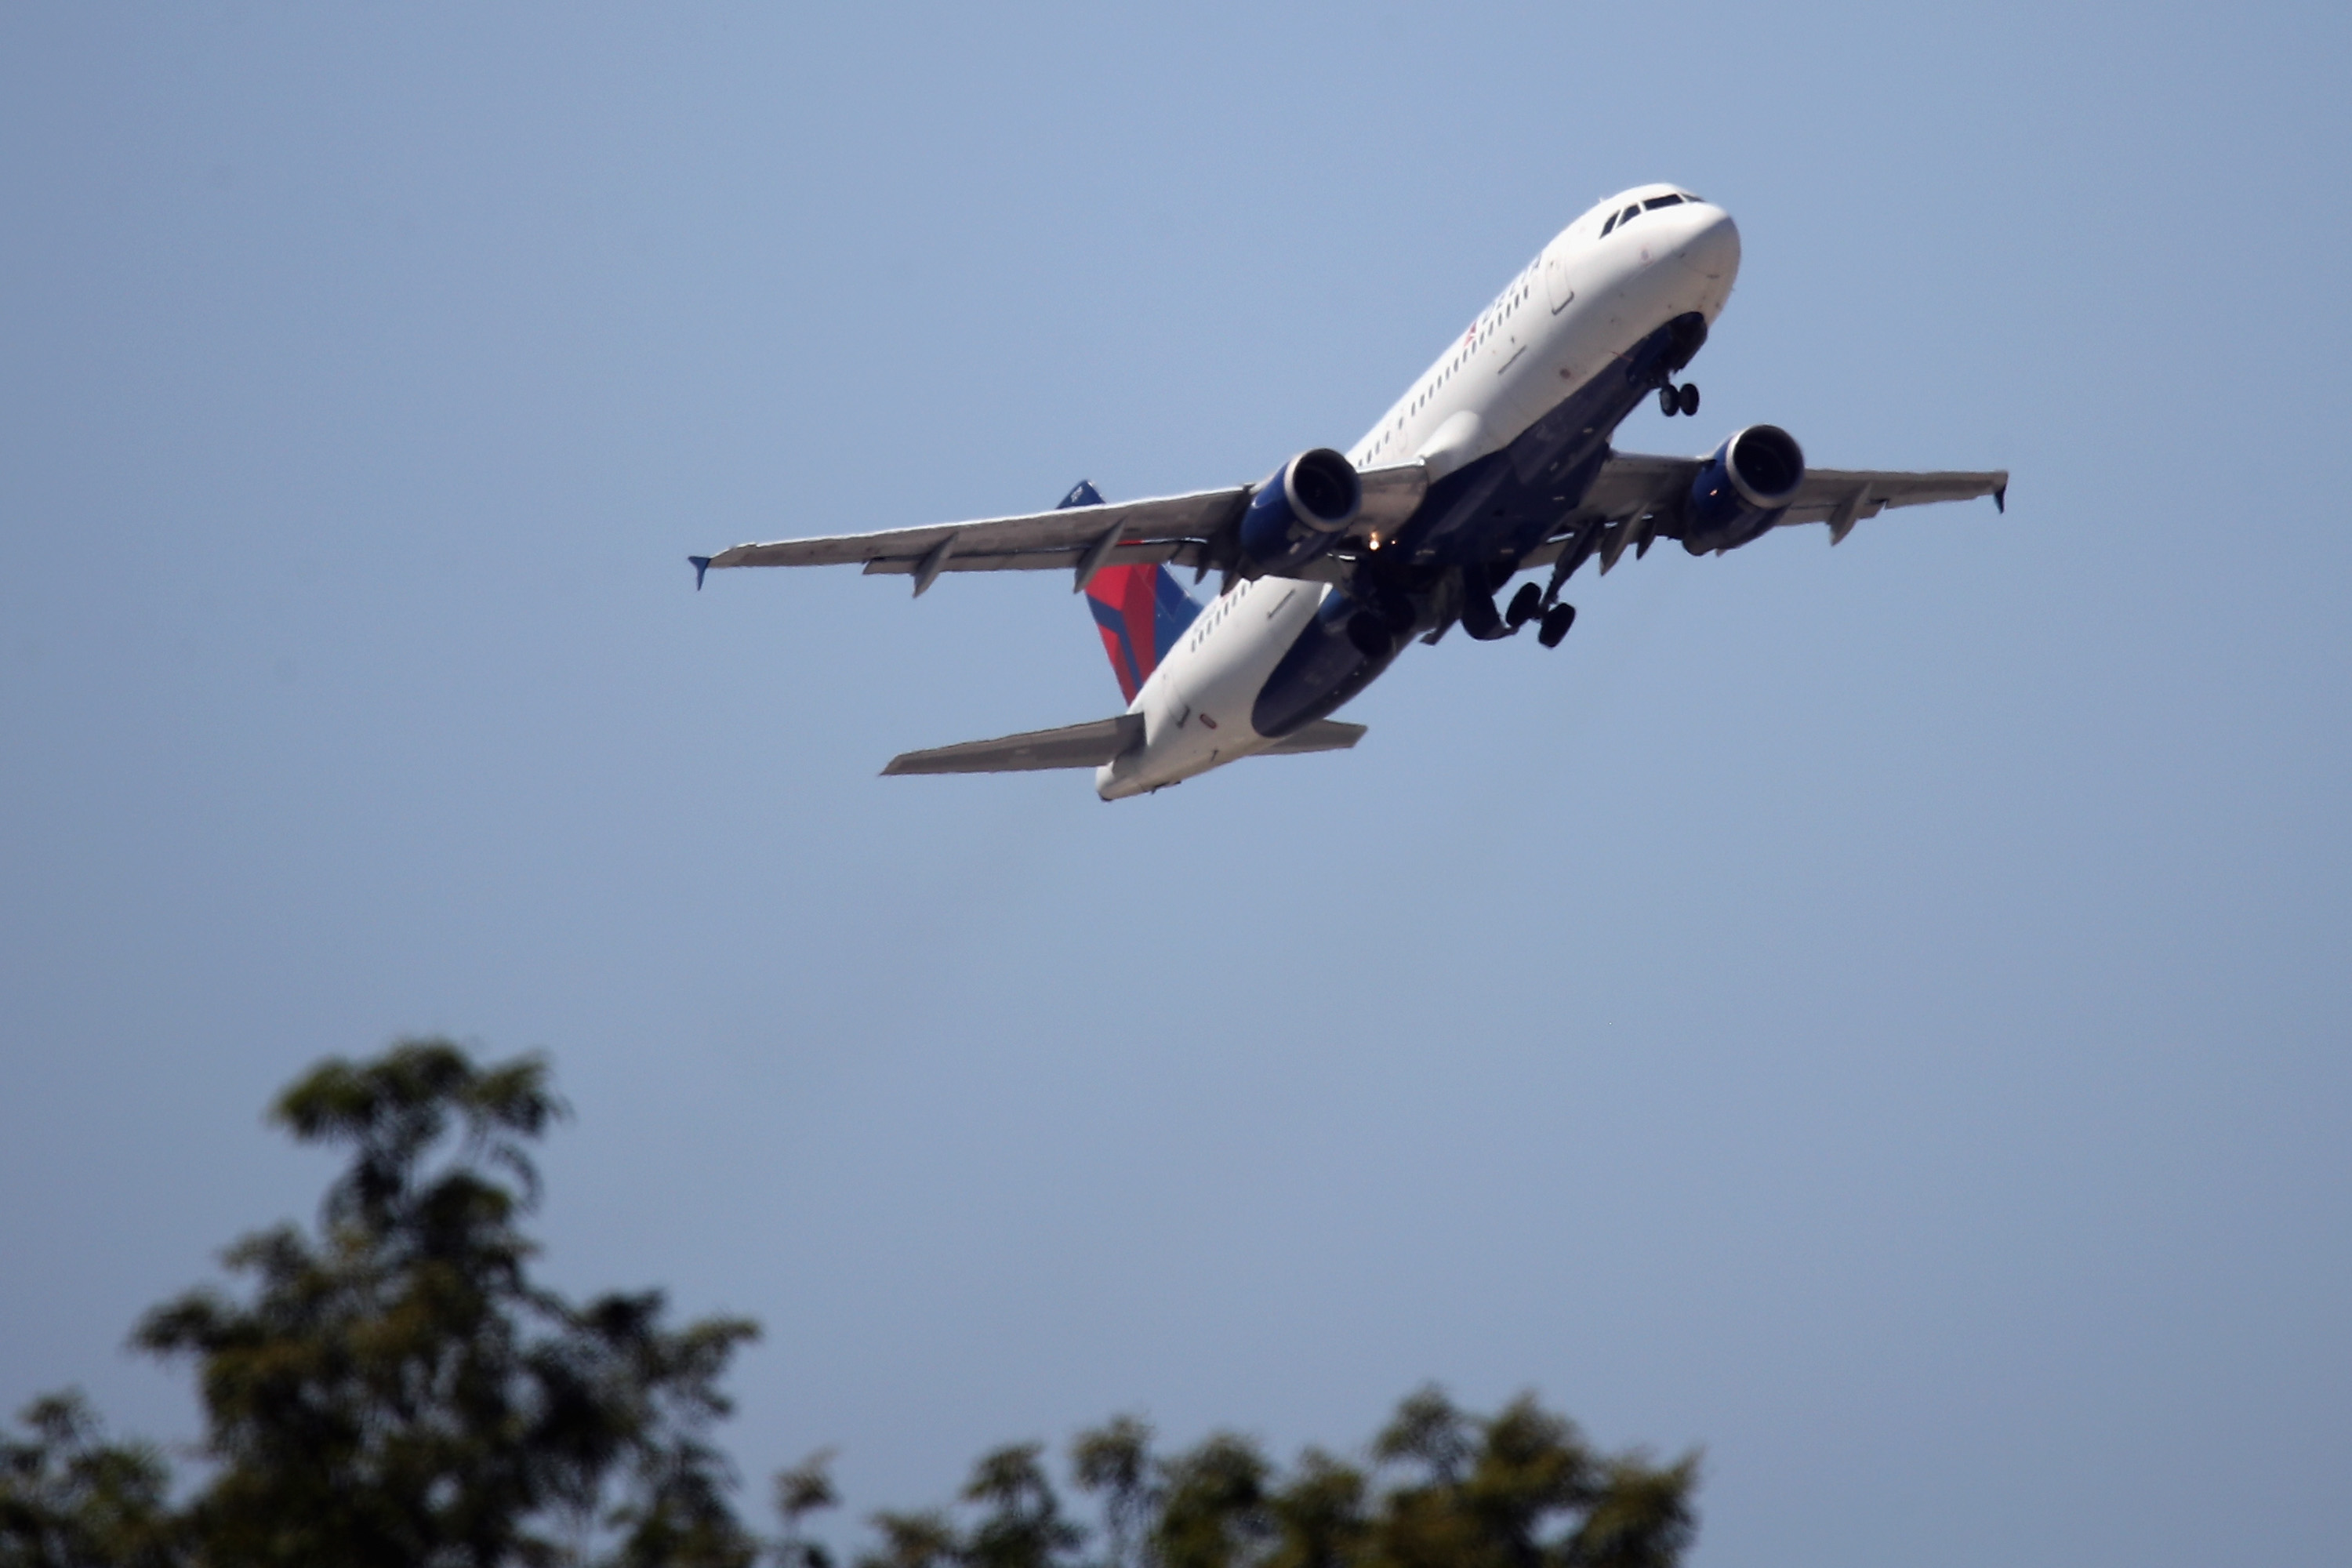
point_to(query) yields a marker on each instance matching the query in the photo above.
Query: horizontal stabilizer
(1323, 735)
(1071, 746)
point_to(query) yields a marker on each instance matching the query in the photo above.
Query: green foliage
(1446, 1489)
(925, 1540)
(800, 1491)
(394, 1389)
(1114, 1461)
(70, 1499)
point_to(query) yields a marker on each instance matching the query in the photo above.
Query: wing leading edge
(1636, 498)
(1191, 530)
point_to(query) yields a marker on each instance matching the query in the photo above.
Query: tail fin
(1141, 609)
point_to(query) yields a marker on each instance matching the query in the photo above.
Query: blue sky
(1879, 1014)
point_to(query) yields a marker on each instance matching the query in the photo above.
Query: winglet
(2001, 499)
(700, 563)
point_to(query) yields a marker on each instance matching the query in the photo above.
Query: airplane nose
(1713, 249)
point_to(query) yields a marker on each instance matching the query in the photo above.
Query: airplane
(1495, 461)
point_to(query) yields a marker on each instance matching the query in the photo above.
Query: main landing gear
(1484, 622)
(1552, 621)
(1674, 400)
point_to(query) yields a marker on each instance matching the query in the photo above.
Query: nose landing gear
(1674, 400)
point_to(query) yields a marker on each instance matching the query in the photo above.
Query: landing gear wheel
(1556, 622)
(1525, 605)
(1670, 402)
(1690, 398)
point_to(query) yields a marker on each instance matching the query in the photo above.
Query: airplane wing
(1071, 746)
(1636, 498)
(1185, 529)
(1843, 497)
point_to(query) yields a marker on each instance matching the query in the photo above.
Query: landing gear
(1556, 622)
(1690, 398)
(1674, 400)
(1371, 635)
(1525, 605)
(1479, 616)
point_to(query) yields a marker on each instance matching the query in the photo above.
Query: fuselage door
(1556, 282)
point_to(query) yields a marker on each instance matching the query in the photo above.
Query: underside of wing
(1843, 497)
(1086, 745)
(1637, 498)
(1165, 528)
(1192, 529)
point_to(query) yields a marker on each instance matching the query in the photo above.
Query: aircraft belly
(1504, 504)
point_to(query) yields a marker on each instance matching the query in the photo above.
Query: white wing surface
(1081, 538)
(1183, 530)
(1637, 498)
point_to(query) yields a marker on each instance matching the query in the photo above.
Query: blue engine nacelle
(1744, 489)
(1295, 515)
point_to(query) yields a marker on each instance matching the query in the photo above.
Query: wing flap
(1033, 541)
(1843, 497)
(1637, 497)
(1086, 745)
(1181, 553)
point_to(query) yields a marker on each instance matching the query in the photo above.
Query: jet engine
(1295, 515)
(1743, 489)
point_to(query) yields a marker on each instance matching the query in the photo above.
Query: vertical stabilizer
(1139, 608)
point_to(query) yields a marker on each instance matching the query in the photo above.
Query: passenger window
(1654, 203)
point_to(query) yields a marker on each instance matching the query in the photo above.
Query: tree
(397, 1389)
(1114, 1461)
(804, 1489)
(68, 1496)
(1520, 1488)
(394, 1387)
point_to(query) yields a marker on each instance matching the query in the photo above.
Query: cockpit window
(1630, 213)
(1690, 196)
(1610, 224)
(1654, 203)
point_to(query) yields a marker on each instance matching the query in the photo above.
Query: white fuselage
(1564, 320)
